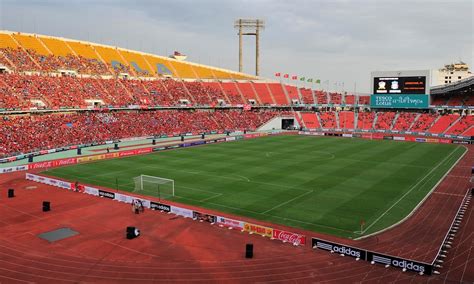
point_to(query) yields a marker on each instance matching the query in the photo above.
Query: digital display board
(400, 85)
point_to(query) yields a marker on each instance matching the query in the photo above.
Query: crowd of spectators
(17, 91)
(25, 61)
(27, 133)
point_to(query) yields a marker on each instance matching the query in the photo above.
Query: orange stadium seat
(404, 121)
(31, 42)
(263, 93)
(278, 93)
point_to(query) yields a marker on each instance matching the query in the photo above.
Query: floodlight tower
(250, 27)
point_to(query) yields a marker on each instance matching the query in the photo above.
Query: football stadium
(124, 166)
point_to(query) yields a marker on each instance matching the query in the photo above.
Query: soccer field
(322, 184)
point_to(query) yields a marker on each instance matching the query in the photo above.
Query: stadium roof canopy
(462, 86)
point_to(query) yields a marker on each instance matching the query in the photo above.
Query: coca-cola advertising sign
(53, 163)
(289, 237)
(40, 165)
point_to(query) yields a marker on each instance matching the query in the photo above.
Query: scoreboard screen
(412, 85)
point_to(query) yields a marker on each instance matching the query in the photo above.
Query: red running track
(174, 249)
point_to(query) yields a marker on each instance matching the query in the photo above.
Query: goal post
(154, 186)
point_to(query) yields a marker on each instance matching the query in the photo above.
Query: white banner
(230, 222)
(13, 169)
(182, 211)
(91, 190)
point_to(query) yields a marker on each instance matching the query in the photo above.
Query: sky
(336, 41)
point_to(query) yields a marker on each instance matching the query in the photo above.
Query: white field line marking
(230, 178)
(244, 177)
(236, 208)
(421, 202)
(269, 215)
(209, 198)
(286, 202)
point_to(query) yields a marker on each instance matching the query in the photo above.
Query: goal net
(154, 186)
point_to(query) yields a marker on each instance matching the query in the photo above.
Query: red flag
(277, 74)
(294, 77)
(286, 76)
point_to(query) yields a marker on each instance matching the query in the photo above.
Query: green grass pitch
(322, 184)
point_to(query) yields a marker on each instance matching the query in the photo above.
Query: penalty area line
(288, 201)
(212, 197)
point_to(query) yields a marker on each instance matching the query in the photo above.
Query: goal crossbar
(163, 180)
(154, 186)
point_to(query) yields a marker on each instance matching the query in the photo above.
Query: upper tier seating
(230, 88)
(321, 97)
(307, 96)
(292, 92)
(335, 98)
(364, 100)
(276, 90)
(350, 99)
(263, 93)
(248, 91)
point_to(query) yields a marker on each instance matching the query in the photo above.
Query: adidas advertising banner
(106, 194)
(160, 206)
(339, 248)
(401, 263)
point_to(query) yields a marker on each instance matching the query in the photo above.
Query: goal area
(154, 186)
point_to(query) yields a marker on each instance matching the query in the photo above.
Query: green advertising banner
(399, 101)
